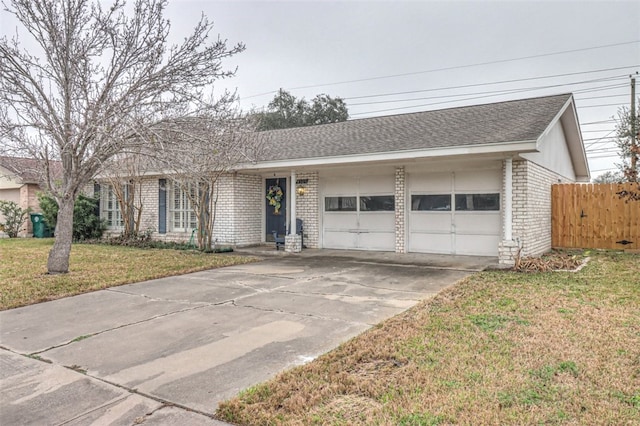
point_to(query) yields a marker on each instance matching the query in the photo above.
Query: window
(183, 218)
(340, 204)
(110, 207)
(477, 202)
(377, 203)
(431, 202)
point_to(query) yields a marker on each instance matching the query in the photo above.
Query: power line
(604, 170)
(487, 96)
(604, 156)
(603, 137)
(494, 92)
(590, 123)
(466, 86)
(602, 97)
(499, 61)
(604, 149)
(599, 106)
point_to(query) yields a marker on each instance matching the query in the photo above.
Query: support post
(292, 241)
(292, 197)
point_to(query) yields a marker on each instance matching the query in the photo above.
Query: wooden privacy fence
(594, 216)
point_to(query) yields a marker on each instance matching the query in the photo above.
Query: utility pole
(634, 128)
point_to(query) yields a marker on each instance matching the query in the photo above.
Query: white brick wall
(248, 198)
(531, 211)
(238, 211)
(308, 209)
(400, 191)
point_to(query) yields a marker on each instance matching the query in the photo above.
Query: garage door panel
(340, 186)
(376, 185)
(369, 227)
(480, 180)
(340, 221)
(430, 222)
(478, 223)
(377, 240)
(422, 242)
(340, 239)
(479, 245)
(470, 232)
(383, 221)
(431, 183)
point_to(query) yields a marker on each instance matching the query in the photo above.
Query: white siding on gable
(554, 153)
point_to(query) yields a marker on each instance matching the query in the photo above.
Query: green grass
(23, 267)
(496, 348)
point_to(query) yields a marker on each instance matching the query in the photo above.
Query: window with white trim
(110, 207)
(478, 202)
(182, 217)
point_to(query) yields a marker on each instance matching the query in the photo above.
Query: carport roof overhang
(496, 151)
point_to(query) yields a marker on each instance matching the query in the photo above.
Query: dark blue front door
(276, 217)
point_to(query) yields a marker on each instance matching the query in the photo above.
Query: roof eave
(507, 148)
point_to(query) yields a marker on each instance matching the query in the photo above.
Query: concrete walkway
(167, 351)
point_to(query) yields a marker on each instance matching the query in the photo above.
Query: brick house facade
(419, 182)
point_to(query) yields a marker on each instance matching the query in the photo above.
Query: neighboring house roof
(26, 170)
(511, 126)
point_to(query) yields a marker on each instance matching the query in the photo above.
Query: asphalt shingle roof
(29, 170)
(502, 122)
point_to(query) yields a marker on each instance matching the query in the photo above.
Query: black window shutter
(96, 195)
(162, 206)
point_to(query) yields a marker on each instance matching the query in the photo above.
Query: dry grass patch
(24, 281)
(497, 348)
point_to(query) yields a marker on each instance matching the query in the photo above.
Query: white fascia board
(505, 147)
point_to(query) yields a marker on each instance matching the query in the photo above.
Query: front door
(276, 207)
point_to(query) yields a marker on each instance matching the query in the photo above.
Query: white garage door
(455, 213)
(358, 213)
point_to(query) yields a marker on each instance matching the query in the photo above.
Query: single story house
(19, 182)
(472, 180)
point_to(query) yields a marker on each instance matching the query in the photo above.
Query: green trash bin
(38, 225)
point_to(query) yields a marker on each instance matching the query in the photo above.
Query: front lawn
(497, 348)
(23, 267)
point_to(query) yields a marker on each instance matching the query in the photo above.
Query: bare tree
(196, 152)
(103, 74)
(629, 149)
(627, 135)
(123, 175)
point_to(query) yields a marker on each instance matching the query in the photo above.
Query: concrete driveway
(167, 351)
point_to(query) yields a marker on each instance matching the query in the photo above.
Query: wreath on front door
(274, 195)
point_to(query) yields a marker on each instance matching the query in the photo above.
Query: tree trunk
(58, 262)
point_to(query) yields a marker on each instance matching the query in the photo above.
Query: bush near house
(14, 217)
(87, 225)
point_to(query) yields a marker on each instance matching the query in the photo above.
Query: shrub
(49, 208)
(87, 224)
(14, 217)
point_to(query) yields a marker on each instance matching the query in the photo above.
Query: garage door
(358, 213)
(455, 213)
